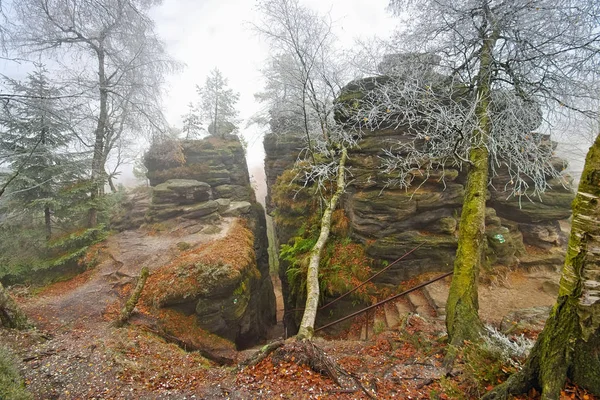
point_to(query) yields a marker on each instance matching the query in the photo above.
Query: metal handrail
(366, 309)
(361, 284)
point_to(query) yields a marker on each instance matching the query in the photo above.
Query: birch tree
(303, 80)
(505, 67)
(109, 49)
(568, 345)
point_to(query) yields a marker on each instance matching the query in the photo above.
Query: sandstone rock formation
(390, 221)
(226, 283)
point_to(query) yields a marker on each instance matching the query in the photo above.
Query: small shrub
(11, 384)
(379, 327)
(183, 246)
(484, 365)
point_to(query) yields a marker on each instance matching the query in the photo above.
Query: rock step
(392, 316)
(428, 302)
(437, 295)
(421, 304)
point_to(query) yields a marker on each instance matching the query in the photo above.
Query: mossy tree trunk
(312, 279)
(134, 298)
(569, 345)
(11, 315)
(462, 318)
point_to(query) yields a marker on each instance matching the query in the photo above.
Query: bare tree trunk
(11, 315)
(462, 318)
(312, 279)
(113, 188)
(48, 222)
(568, 347)
(135, 297)
(98, 156)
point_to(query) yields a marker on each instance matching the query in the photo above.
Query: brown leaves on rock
(181, 277)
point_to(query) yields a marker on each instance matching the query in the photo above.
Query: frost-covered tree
(504, 67)
(303, 79)
(218, 104)
(110, 51)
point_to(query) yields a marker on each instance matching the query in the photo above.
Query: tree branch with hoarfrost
(504, 68)
(303, 78)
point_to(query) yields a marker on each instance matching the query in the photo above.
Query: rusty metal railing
(362, 283)
(367, 309)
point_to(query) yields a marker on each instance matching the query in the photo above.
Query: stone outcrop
(218, 162)
(224, 283)
(390, 221)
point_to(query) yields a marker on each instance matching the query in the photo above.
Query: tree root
(306, 352)
(261, 354)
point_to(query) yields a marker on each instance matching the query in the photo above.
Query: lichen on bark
(568, 345)
(312, 279)
(462, 318)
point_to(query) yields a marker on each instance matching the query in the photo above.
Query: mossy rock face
(223, 204)
(383, 216)
(165, 213)
(234, 192)
(553, 206)
(221, 315)
(501, 246)
(491, 219)
(445, 225)
(216, 161)
(237, 209)
(200, 210)
(181, 191)
(435, 254)
(436, 196)
(544, 235)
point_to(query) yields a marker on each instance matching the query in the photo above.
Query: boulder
(545, 235)
(530, 319)
(223, 204)
(237, 209)
(200, 210)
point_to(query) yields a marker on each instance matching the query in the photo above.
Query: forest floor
(75, 352)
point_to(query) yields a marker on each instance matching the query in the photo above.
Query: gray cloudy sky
(217, 33)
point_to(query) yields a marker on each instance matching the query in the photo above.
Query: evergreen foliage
(218, 104)
(39, 151)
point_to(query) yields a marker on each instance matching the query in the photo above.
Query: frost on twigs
(436, 112)
(510, 349)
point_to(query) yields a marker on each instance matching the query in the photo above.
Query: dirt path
(123, 255)
(75, 353)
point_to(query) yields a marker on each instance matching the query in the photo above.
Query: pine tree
(218, 104)
(192, 125)
(35, 137)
